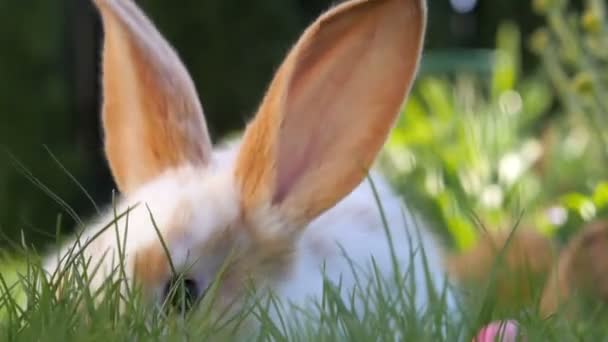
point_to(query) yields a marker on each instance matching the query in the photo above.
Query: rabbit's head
(580, 276)
(322, 122)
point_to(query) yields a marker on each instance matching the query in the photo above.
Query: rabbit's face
(188, 225)
(198, 217)
(326, 115)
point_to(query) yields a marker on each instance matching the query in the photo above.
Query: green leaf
(600, 195)
(506, 70)
(437, 96)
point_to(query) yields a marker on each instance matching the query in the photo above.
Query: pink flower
(504, 331)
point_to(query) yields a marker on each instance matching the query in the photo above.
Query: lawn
(29, 311)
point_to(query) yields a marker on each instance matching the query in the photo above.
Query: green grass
(30, 311)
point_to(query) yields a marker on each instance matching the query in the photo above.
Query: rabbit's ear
(330, 107)
(152, 116)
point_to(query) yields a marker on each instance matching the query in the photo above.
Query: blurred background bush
(506, 122)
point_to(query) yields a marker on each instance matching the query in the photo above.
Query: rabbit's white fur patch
(191, 204)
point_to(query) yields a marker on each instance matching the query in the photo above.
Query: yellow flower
(592, 21)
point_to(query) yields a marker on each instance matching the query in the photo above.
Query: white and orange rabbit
(292, 194)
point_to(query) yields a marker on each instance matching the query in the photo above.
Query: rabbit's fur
(580, 273)
(286, 200)
(528, 269)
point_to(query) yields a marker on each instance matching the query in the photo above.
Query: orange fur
(150, 266)
(520, 274)
(530, 259)
(581, 270)
(330, 108)
(152, 117)
(151, 263)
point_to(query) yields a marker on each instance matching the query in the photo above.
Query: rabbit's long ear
(330, 107)
(152, 117)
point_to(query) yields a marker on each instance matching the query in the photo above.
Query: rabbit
(579, 273)
(519, 262)
(531, 271)
(287, 198)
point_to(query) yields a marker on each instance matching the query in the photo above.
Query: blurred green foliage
(573, 50)
(34, 111)
(466, 141)
(477, 150)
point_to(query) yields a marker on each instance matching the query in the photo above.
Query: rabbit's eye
(181, 293)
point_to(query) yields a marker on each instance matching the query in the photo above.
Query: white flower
(492, 196)
(403, 160)
(587, 210)
(471, 181)
(510, 102)
(557, 215)
(434, 183)
(531, 151)
(510, 168)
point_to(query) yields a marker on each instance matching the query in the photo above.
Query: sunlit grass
(10, 270)
(382, 316)
(378, 309)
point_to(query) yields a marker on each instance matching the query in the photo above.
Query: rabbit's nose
(181, 294)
